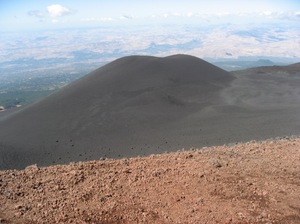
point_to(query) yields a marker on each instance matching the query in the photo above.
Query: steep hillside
(140, 105)
(131, 103)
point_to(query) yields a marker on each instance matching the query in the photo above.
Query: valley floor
(254, 182)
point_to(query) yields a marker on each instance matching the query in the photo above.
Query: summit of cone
(141, 105)
(116, 106)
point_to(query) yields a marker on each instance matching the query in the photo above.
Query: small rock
(264, 214)
(200, 201)
(127, 171)
(31, 168)
(18, 206)
(189, 156)
(18, 214)
(215, 163)
(241, 215)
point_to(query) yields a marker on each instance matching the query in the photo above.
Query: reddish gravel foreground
(255, 182)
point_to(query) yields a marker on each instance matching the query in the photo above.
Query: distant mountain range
(233, 65)
(139, 105)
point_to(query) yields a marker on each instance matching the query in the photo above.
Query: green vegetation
(15, 98)
(20, 88)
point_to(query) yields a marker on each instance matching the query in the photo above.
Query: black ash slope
(140, 105)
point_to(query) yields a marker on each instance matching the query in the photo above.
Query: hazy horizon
(271, 25)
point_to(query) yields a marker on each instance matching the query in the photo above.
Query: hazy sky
(17, 15)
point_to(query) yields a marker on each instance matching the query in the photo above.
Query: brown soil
(255, 182)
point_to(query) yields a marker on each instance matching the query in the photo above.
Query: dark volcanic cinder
(140, 105)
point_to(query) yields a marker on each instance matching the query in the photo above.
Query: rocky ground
(255, 182)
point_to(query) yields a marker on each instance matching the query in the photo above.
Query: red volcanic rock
(255, 182)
